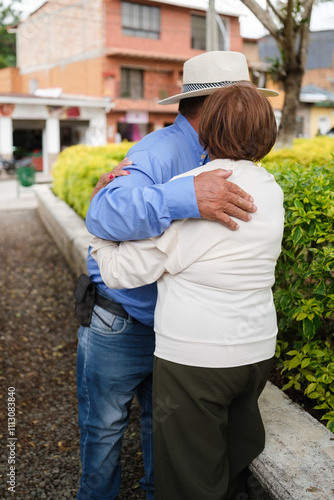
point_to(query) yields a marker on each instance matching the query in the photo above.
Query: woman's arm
(134, 263)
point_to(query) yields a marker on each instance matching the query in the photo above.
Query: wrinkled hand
(218, 199)
(108, 177)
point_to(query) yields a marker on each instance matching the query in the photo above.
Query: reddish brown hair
(238, 123)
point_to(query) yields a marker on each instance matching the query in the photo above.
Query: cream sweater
(215, 306)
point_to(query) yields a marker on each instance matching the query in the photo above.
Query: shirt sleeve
(132, 264)
(143, 204)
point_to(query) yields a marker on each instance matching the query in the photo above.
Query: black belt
(113, 307)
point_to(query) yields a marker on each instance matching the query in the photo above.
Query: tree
(288, 22)
(8, 17)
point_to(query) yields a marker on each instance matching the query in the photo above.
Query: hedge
(78, 169)
(304, 288)
(305, 152)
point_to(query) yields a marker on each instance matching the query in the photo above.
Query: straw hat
(204, 74)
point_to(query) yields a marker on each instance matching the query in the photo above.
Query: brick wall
(9, 80)
(175, 31)
(55, 35)
(322, 77)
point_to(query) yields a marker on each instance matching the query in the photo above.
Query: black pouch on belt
(84, 294)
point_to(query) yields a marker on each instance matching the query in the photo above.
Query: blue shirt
(143, 204)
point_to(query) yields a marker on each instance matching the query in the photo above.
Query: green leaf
(320, 289)
(314, 395)
(294, 362)
(297, 235)
(310, 388)
(326, 379)
(305, 362)
(310, 378)
(324, 406)
(298, 204)
(330, 425)
(287, 386)
(308, 328)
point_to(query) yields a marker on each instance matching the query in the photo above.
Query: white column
(211, 27)
(6, 137)
(51, 142)
(96, 134)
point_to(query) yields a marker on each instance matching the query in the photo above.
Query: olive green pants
(207, 428)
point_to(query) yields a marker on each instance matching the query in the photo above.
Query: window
(198, 34)
(132, 83)
(140, 20)
(323, 124)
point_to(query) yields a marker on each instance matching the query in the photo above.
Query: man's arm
(110, 176)
(135, 208)
(217, 199)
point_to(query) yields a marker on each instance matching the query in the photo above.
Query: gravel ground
(38, 349)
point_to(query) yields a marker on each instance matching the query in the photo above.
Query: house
(42, 125)
(316, 110)
(130, 51)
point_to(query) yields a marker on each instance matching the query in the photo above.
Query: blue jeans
(114, 363)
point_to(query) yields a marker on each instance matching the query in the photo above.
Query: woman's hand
(108, 177)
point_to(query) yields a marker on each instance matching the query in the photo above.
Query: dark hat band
(190, 87)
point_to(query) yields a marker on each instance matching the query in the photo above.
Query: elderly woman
(215, 319)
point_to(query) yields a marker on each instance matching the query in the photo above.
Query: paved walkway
(38, 346)
(12, 198)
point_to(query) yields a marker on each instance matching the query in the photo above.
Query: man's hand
(108, 177)
(218, 198)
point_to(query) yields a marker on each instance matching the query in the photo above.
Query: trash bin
(25, 174)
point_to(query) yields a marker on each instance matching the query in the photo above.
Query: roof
(320, 49)
(227, 7)
(141, 54)
(314, 94)
(64, 100)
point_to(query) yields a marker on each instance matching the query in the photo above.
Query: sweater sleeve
(132, 264)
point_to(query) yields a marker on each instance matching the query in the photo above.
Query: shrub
(304, 152)
(304, 288)
(310, 370)
(78, 168)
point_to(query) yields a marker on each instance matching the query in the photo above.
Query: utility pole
(211, 27)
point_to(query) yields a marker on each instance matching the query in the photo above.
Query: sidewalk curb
(66, 227)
